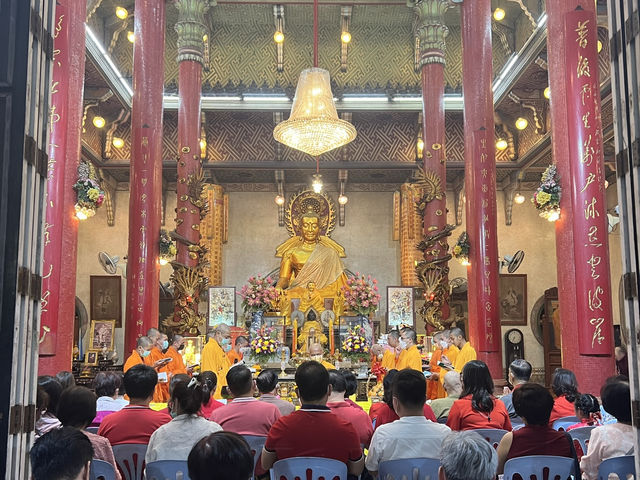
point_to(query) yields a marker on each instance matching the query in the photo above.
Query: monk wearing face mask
(214, 355)
(410, 356)
(142, 351)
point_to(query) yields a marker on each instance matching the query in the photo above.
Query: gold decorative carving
(431, 185)
(188, 283)
(319, 203)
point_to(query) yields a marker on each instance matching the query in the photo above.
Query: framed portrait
(92, 358)
(277, 326)
(101, 334)
(512, 296)
(106, 298)
(400, 307)
(222, 305)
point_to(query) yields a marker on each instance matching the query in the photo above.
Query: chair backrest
(92, 430)
(409, 469)
(621, 466)
(167, 470)
(491, 435)
(558, 468)
(101, 470)
(130, 460)
(442, 420)
(580, 437)
(256, 442)
(564, 422)
(309, 468)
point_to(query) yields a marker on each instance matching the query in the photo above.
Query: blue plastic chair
(130, 460)
(535, 465)
(101, 470)
(92, 430)
(167, 470)
(308, 468)
(256, 442)
(410, 469)
(491, 435)
(581, 436)
(443, 420)
(621, 466)
(564, 422)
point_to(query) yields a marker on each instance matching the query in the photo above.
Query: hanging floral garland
(462, 248)
(89, 195)
(167, 247)
(547, 197)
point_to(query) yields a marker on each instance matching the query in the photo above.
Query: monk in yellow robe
(176, 366)
(410, 356)
(434, 387)
(234, 354)
(154, 359)
(214, 357)
(316, 352)
(389, 358)
(137, 357)
(449, 354)
(466, 353)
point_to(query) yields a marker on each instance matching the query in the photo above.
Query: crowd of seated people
(213, 437)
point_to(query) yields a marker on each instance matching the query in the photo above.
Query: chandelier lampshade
(313, 126)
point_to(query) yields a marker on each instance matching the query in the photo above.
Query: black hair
(60, 454)
(177, 378)
(140, 381)
(221, 456)
(66, 379)
(533, 402)
(616, 400)
(120, 382)
(521, 369)
(337, 381)
(209, 381)
(105, 384)
(410, 388)
(564, 382)
(52, 386)
(352, 381)
(267, 381)
(387, 396)
(312, 380)
(42, 400)
(586, 404)
(239, 380)
(240, 338)
(477, 382)
(77, 407)
(189, 397)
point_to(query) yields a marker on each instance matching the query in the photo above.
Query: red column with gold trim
(480, 184)
(61, 225)
(584, 284)
(143, 269)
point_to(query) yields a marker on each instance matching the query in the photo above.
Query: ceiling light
(465, 262)
(163, 261)
(98, 121)
(499, 14)
(278, 37)
(547, 93)
(80, 215)
(279, 200)
(121, 13)
(519, 198)
(345, 37)
(501, 144)
(131, 36)
(343, 199)
(316, 184)
(606, 184)
(521, 123)
(599, 46)
(117, 142)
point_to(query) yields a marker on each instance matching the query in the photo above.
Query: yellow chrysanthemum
(543, 197)
(93, 194)
(457, 249)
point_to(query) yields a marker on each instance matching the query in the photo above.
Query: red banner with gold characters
(590, 226)
(484, 247)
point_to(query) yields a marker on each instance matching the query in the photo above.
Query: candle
(331, 343)
(294, 337)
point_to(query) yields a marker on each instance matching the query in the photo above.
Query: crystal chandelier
(313, 126)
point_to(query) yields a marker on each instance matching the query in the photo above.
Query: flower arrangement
(355, 345)
(89, 195)
(361, 294)
(258, 295)
(547, 197)
(462, 248)
(167, 247)
(263, 346)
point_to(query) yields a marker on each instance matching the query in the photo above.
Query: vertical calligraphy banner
(484, 246)
(590, 226)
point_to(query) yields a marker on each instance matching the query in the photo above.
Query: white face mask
(403, 344)
(317, 358)
(443, 344)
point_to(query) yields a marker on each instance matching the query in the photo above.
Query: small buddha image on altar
(311, 333)
(192, 350)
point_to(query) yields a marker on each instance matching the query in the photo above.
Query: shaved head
(144, 342)
(153, 334)
(177, 340)
(316, 349)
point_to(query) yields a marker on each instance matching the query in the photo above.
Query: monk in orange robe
(450, 353)
(176, 365)
(143, 349)
(161, 393)
(234, 354)
(434, 387)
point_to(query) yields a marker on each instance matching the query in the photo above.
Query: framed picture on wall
(101, 334)
(92, 358)
(222, 305)
(400, 307)
(512, 296)
(106, 298)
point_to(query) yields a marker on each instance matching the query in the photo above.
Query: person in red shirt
(352, 387)
(313, 431)
(336, 402)
(209, 382)
(477, 407)
(565, 387)
(136, 422)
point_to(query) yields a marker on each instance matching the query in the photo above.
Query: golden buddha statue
(311, 299)
(311, 333)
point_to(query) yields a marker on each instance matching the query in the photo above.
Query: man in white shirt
(413, 435)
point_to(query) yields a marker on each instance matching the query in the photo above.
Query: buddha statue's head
(310, 226)
(311, 286)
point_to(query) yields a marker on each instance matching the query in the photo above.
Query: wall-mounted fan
(109, 263)
(512, 262)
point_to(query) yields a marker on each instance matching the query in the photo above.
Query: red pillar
(480, 184)
(584, 285)
(143, 269)
(61, 227)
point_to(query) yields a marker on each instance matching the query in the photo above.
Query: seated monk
(311, 332)
(316, 352)
(311, 299)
